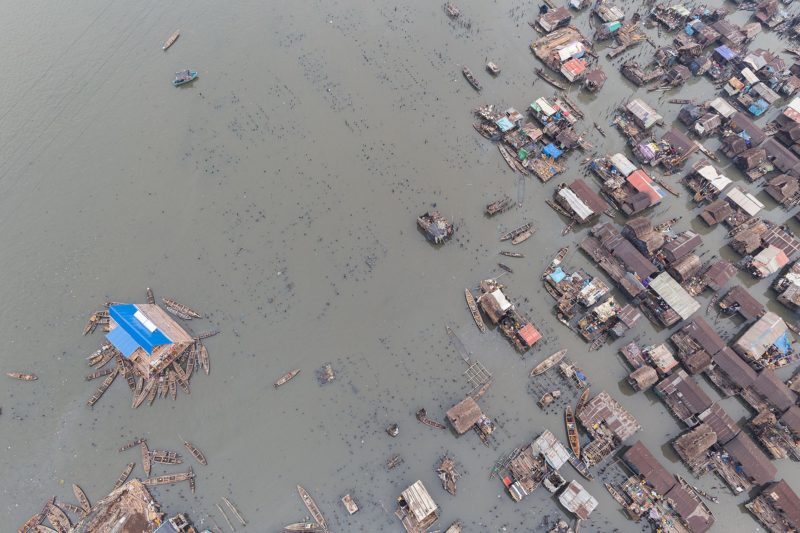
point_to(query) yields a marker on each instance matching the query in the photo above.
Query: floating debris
(393, 430)
(512, 254)
(325, 374)
(393, 462)
(228, 520)
(448, 474)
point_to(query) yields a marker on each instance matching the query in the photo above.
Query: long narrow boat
(27, 526)
(286, 377)
(471, 79)
(234, 510)
(165, 457)
(572, 431)
(522, 237)
(103, 387)
(74, 509)
(312, 507)
(582, 401)
(204, 361)
(145, 457)
(41, 528)
(514, 232)
(512, 254)
(169, 42)
(169, 478)
(506, 268)
(549, 363)
(581, 467)
(309, 527)
(507, 157)
(144, 393)
(422, 416)
(616, 495)
(99, 373)
(557, 208)
(83, 500)
(123, 477)
(22, 377)
(499, 206)
(58, 518)
(130, 444)
(473, 309)
(195, 451)
(184, 309)
(549, 79)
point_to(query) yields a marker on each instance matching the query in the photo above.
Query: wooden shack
(416, 508)
(643, 378)
(464, 415)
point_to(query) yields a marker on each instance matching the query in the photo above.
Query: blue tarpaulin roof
(552, 151)
(758, 107)
(134, 330)
(725, 53)
(557, 275)
(782, 344)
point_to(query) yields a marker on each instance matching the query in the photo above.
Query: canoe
(182, 78)
(286, 377)
(123, 477)
(22, 377)
(471, 79)
(522, 237)
(506, 268)
(512, 254)
(572, 431)
(515, 232)
(310, 527)
(582, 401)
(311, 505)
(82, 499)
(195, 451)
(172, 38)
(473, 309)
(549, 363)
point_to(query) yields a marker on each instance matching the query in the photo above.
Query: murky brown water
(278, 194)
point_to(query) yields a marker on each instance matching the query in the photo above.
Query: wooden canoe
(506, 268)
(309, 527)
(582, 401)
(471, 78)
(123, 477)
(549, 79)
(22, 376)
(312, 507)
(29, 524)
(58, 518)
(165, 457)
(203, 357)
(572, 431)
(473, 309)
(522, 237)
(180, 310)
(145, 457)
(41, 528)
(196, 453)
(549, 363)
(512, 254)
(169, 42)
(286, 377)
(169, 478)
(515, 232)
(82, 499)
(150, 298)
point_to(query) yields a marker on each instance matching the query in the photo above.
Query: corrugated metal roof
(581, 209)
(623, 164)
(554, 452)
(419, 501)
(138, 328)
(769, 260)
(760, 336)
(721, 106)
(674, 295)
(642, 183)
(122, 341)
(716, 180)
(573, 49)
(746, 202)
(646, 114)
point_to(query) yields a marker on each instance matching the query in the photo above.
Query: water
(278, 195)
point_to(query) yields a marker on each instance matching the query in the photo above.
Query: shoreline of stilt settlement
(644, 270)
